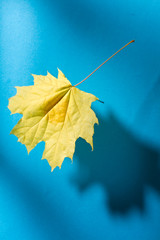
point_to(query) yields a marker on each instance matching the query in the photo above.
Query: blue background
(114, 191)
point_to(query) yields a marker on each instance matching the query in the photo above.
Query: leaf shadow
(121, 163)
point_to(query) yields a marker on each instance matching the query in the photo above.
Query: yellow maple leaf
(56, 112)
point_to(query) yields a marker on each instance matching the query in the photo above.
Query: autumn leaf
(55, 112)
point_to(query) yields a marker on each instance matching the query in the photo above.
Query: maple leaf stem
(104, 62)
(100, 101)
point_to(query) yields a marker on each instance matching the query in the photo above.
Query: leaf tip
(58, 70)
(28, 149)
(60, 74)
(52, 168)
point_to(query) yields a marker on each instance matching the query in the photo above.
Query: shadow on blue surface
(81, 15)
(121, 163)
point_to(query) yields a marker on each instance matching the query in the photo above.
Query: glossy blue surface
(113, 192)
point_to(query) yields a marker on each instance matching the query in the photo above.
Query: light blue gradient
(113, 192)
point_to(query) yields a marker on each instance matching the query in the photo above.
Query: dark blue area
(110, 193)
(121, 163)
